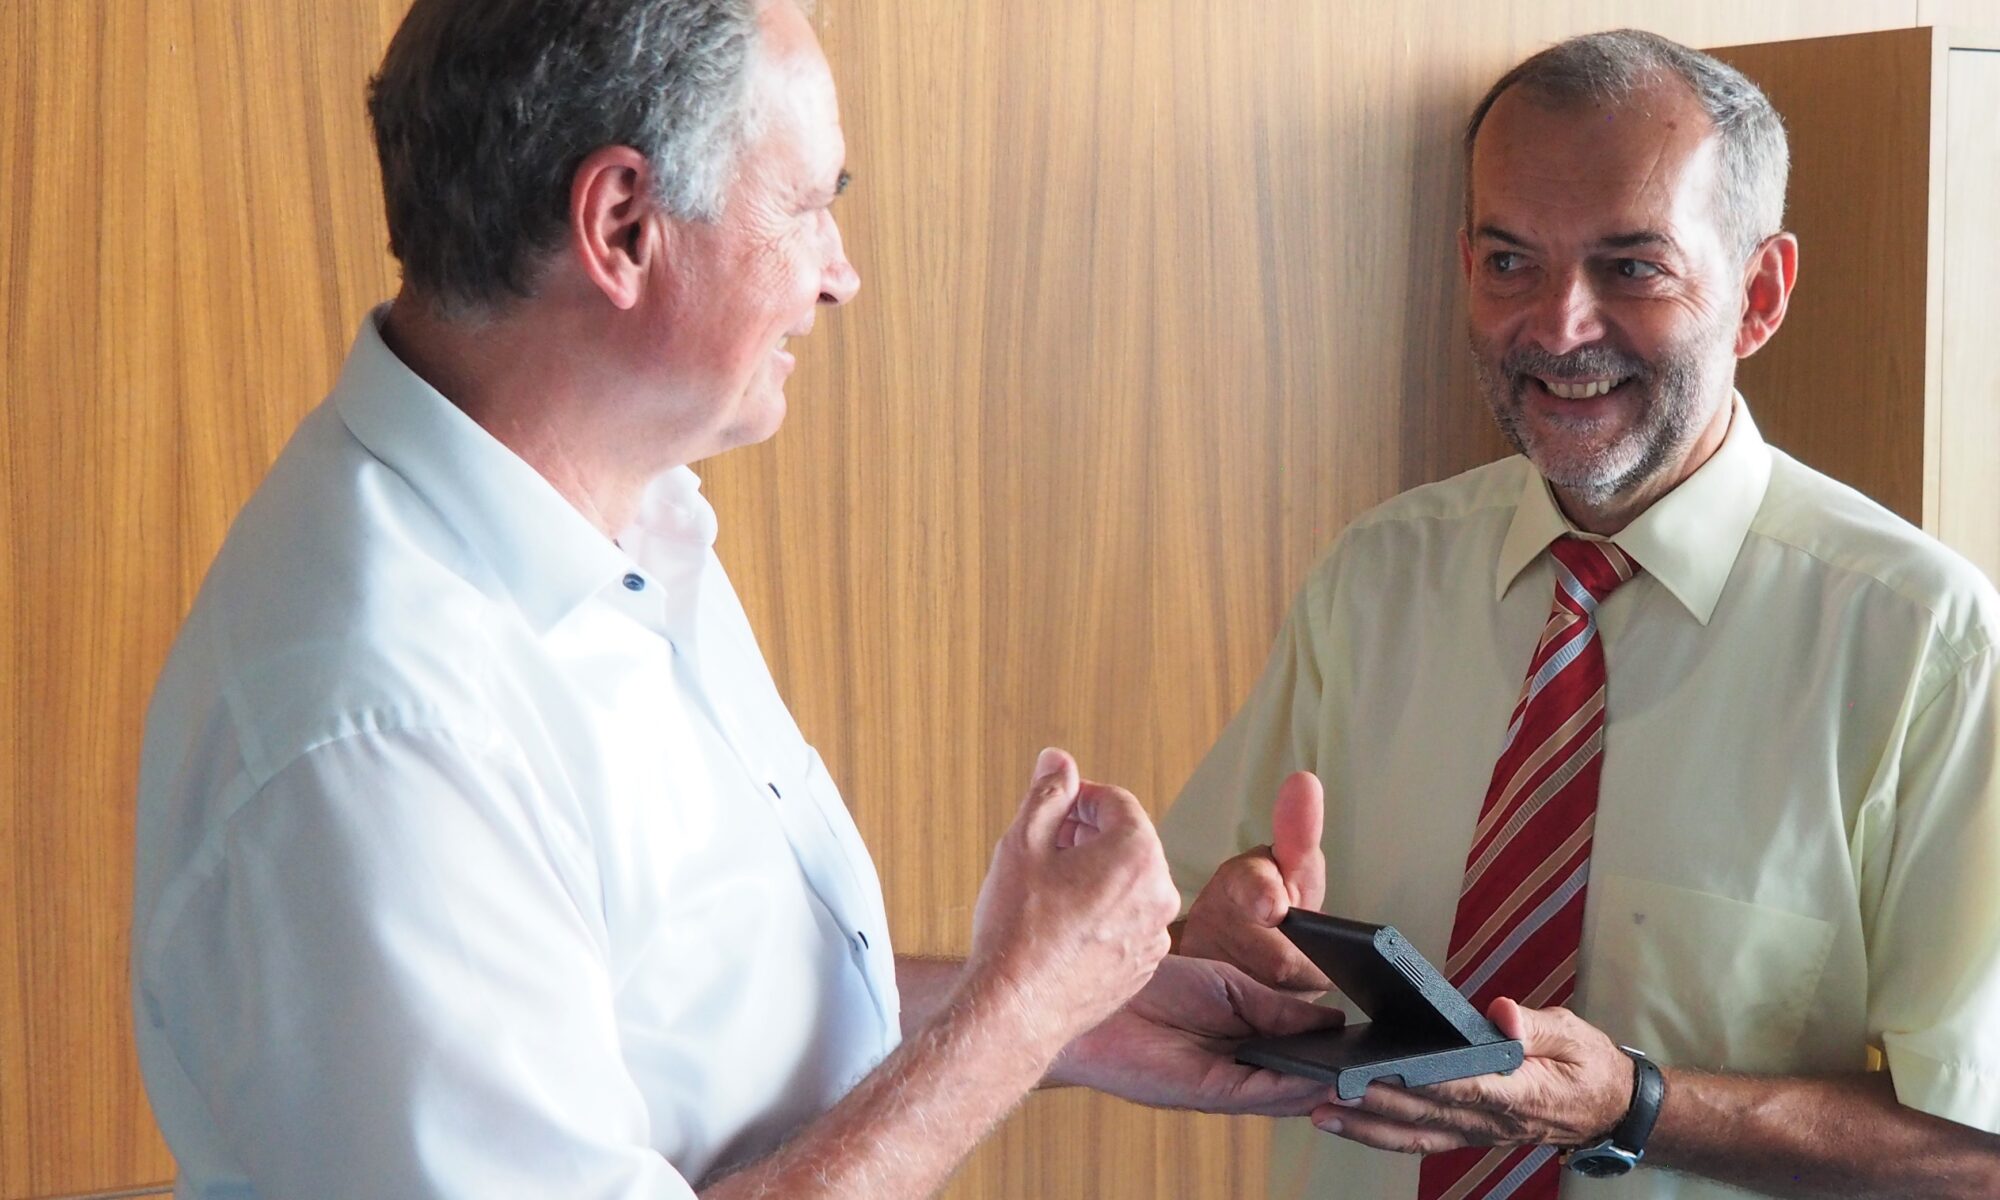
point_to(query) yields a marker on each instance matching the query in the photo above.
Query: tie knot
(1599, 566)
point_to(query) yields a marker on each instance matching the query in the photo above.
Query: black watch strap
(1649, 1091)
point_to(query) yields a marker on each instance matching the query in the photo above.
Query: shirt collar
(1688, 539)
(543, 553)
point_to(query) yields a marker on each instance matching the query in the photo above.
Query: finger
(1267, 1012)
(1298, 825)
(1478, 1091)
(1102, 808)
(1382, 1133)
(1050, 797)
(1270, 958)
(1265, 1093)
(1251, 889)
(1407, 1107)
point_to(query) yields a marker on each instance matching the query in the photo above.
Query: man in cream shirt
(1793, 886)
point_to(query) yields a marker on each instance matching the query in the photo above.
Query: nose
(839, 281)
(1565, 314)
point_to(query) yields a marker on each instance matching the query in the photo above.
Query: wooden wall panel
(1863, 231)
(1156, 297)
(193, 232)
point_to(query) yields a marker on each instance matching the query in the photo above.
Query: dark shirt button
(635, 583)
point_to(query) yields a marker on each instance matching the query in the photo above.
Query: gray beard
(1676, 405)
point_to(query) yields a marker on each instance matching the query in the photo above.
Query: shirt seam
(1378, 517)
(174, 893)
(1964, 653)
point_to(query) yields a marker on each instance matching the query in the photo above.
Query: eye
(840, 186)
(1503, 262)
(1637, 268)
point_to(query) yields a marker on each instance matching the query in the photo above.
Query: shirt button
(633, 583)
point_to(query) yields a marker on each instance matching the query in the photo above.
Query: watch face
(1600, 1162)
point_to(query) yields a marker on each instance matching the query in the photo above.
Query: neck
(512, 376)
(1606, 515)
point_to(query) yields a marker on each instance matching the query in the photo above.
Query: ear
(1465, 254)
(610, 201)
(1767, 290)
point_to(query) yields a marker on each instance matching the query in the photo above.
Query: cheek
(1495, 313)
(1666, 326)
(1490, 327)
(782, 266)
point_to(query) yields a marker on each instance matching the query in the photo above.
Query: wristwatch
(1620, 1152)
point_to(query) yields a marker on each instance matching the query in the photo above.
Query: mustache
(1585, 362)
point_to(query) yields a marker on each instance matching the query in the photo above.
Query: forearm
(905, 1128)
(1839, 1136)
(925, 985)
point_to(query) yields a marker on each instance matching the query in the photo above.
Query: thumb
(1545, 1033)
(1542, 1032)
(1298, 822)
(1051, 796)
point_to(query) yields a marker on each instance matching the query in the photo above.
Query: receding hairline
(1618, 66)
(1551, 100)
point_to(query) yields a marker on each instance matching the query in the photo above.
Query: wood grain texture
(1157, 298)
(1969, 404)
(193, 232)
(1842, 385)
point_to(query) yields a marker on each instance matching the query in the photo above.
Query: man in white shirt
(1756, 833)
(478, 855)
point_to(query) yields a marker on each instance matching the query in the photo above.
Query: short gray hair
(1607, 68)
(484, 109)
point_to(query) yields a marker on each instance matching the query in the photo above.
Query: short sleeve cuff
(1963, 1093)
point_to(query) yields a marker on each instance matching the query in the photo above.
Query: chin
(760, 423)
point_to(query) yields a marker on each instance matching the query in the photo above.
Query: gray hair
(1607, 68)
(484, 109)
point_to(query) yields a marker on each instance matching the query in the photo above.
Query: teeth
(1578, 391)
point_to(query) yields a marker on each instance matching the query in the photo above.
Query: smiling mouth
(1580, 389)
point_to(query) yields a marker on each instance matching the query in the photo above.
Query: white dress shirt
(1797, 847)
(477, 854)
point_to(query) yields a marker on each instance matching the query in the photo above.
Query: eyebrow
(1497, 234)
(1617, 241)
(1643, 237)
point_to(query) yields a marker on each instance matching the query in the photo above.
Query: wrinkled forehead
(792, 93)
(1648, 160)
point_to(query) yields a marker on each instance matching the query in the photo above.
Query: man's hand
(1574, 1088)
(1235, 918)
(1171, 1045)
(1072, 918)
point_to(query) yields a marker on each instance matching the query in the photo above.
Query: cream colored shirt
(1797, 851)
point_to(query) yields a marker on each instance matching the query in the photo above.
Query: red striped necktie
(1520, 911)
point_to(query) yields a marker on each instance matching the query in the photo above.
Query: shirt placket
(822, 855)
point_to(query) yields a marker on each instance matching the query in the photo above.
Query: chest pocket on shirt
(1701, 980)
